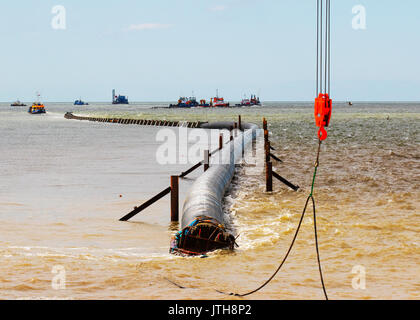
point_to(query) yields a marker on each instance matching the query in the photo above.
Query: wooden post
(220, 141)
(206, 160)
(268, 176)
(174, 199)
(239, 122)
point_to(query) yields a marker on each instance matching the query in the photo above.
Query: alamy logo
(190, 145)
(58, 21)
(359, 20)
(58, 282)
(359, 280)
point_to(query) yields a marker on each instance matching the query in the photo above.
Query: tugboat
(254, 101)
(218, 102)
(37, 107)
(184, 102)
(204, 104)
(80, 103)
(17, 103)
(118, 99)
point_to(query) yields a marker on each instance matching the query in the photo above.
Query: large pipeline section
(203, 228)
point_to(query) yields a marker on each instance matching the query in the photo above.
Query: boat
(37, 107)
(218, 102)
(17, 103)
(254, 101)
(118, 99)
(185, 102)
(204, 104)
(80, 103)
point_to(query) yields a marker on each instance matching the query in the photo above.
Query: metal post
(267, 152)
(268, 176)
(206, 160)
(239, 122)
(220, 141)
(265, 139)
(174, 199)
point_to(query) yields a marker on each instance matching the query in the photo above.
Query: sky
(159, 50)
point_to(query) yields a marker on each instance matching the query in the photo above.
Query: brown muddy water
(61, 182)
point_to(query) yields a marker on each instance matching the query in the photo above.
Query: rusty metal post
(268, 176)
(267, 151)
(206, 160)
(174, 198)
(220, 141)
(265, 124)
(265, 139)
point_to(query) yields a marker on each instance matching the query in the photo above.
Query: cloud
(218, 8)
(148, 26)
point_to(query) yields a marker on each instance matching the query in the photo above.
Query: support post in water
(269, 176)
(265, 136)
(206, 160)
(220, 141)
(239, 122)
(174, 199)
(267, 151)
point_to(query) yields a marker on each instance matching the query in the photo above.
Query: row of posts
(174, 183)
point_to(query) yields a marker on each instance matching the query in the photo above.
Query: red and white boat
(218, 102)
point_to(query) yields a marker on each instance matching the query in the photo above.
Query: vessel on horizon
(118, 99)
(79, 102)
(17, 103)
(254, 101)
(37, 107)
(185, 102)
(218, 101)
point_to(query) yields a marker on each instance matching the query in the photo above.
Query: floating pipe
(203, 227)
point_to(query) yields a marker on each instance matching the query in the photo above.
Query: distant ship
(80, 103)
(118, 99)
(218, 102)
(191, 102)
(204, 104)
(184, 102)
(17, 103)
(37, 107)
(254, 101)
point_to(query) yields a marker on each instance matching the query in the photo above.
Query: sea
(64, 185)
